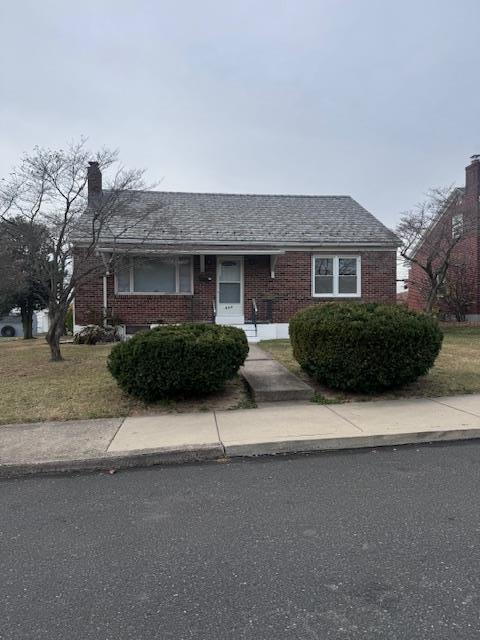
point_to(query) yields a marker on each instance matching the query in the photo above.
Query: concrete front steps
(250, 331)
(270, 381)
(261, 331)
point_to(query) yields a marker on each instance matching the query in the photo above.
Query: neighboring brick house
(234, 259)
(460, 218)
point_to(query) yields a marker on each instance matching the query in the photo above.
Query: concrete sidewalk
(270, 429)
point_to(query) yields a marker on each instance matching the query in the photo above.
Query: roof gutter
(240, 247)
(195, 252)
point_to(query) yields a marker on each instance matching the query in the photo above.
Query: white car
(11, 326)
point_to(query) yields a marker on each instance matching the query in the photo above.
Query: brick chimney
(472, 177)
(94, 177)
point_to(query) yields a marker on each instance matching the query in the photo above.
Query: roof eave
(272, 245)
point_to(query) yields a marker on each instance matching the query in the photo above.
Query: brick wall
(291, 288)
(277, 299)
(148, 309)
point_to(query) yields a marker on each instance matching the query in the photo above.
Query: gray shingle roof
(216, 218)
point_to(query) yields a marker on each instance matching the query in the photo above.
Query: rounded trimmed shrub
(364, 347)
(178, 360)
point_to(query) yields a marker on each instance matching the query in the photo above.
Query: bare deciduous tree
(429, 238)
(49, 188)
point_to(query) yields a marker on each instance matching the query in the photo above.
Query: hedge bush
(178, 360)
(364, 347)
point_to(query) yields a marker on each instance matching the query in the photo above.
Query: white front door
(230, 290)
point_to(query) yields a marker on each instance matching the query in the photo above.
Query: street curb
(205, 453)
(348, 442)
(147, 458)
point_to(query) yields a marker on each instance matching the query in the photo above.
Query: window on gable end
(457, 225)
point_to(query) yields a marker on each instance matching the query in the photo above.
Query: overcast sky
(376, 99)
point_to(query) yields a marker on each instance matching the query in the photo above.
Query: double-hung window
(336, 276)
(457, 225)
(167, 275)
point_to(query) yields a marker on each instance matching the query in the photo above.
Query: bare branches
(429, 239)
(425, 225)
(49, 188)
(457, 293)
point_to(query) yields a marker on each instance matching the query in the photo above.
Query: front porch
(150, 288)
(234, 302)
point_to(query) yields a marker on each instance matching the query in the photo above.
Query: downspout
(105, 291)
(105, 299)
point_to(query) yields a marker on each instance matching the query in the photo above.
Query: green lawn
(34, 389)
(456, 371)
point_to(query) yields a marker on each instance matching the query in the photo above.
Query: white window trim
(335, 293)
(156, 293)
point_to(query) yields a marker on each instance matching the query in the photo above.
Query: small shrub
(178, 360)
(364, 347)
(94, 334)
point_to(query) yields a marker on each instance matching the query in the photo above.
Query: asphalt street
(364, 544)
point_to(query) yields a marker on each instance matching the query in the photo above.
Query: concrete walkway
(269, 381)
(270, 429)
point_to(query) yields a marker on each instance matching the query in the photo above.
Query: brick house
(248, 260)
(461, 219)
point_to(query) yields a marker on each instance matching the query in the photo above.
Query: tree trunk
(431, 298)
(55, 353)
(53, 339)
(429, 304)
(26, 312)
(55, 332)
